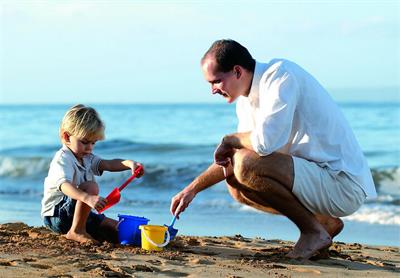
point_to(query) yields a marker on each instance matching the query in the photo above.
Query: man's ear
(238, 71)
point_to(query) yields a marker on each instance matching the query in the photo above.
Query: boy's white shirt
(66, 168)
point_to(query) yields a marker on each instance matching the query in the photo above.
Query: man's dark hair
(228, 53)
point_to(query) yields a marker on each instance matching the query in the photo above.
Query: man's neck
(248, 79)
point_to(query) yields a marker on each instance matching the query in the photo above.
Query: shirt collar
(253, 96)
(72, 156)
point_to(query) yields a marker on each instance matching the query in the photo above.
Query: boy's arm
(116, 165)
(94, 201)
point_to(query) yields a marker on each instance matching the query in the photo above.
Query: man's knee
(89, 187)
(245, 197)
(254, 171)
(235, 191)
(243, 168)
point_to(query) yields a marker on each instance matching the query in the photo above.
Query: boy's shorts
(61, 222)
(325, 191)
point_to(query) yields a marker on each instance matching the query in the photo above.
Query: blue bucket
(128, 229)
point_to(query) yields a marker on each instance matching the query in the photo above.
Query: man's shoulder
(277, 64)
(272, 70)
(278, 68)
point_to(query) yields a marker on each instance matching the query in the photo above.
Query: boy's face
(79, 147)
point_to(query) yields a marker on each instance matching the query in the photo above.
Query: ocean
(175, 142)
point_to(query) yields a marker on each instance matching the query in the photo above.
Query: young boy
(70, 189)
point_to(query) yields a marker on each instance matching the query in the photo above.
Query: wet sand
(37, 252)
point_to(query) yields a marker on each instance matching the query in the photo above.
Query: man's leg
(268, 182)
(331, 224)
(240, 196)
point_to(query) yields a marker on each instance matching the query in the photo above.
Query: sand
(37, 252)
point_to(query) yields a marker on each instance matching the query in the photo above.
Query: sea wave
(108, 146)
(32, 166)
(16, 167)
(34, 161)
(126, 145)
(387, 181)
(377, 214)
(380, 214)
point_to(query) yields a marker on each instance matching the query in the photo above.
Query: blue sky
(149, 51)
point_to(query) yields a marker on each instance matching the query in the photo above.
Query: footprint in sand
(13, 263)
(41, 266)
(200, 261)
(173, 273)
(193, 242)
(143, 268)
(306, 270)
(5, 263)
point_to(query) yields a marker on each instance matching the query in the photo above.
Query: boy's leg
(78, 231)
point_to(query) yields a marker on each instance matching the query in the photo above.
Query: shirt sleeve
(61, 171)
(95, 163)
(278, 99)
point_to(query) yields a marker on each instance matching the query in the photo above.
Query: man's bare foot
(310, 243)
(331, 224)
(81, 237)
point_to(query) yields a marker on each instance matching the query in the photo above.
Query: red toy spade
(115, 195)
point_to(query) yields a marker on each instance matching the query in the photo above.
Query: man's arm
(209, 177)
(238, 140)
(215, 173)
(226, 149)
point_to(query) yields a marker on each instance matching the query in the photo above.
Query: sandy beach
(27, 251)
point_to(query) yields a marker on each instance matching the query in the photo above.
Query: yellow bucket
(153, 237)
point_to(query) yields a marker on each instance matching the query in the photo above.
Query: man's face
(224, 83)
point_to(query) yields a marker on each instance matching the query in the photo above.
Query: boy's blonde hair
(83, 122)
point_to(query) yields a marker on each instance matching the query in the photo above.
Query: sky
(149, 51)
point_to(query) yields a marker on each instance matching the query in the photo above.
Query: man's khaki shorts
(325, 191)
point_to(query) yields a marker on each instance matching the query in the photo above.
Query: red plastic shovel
(115, 195)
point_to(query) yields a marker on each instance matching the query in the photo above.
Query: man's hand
(181, 201)
(95, 201)
(223, 154)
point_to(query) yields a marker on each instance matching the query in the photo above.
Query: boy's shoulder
(63, 155)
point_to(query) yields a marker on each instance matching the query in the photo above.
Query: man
(294, 152)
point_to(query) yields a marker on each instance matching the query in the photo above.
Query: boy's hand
(134, 166)
(95, 201)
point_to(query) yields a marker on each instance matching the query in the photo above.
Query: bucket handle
(155, 244)
(119, 222)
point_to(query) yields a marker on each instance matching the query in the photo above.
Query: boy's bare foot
(81, 237)
(310, 243)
